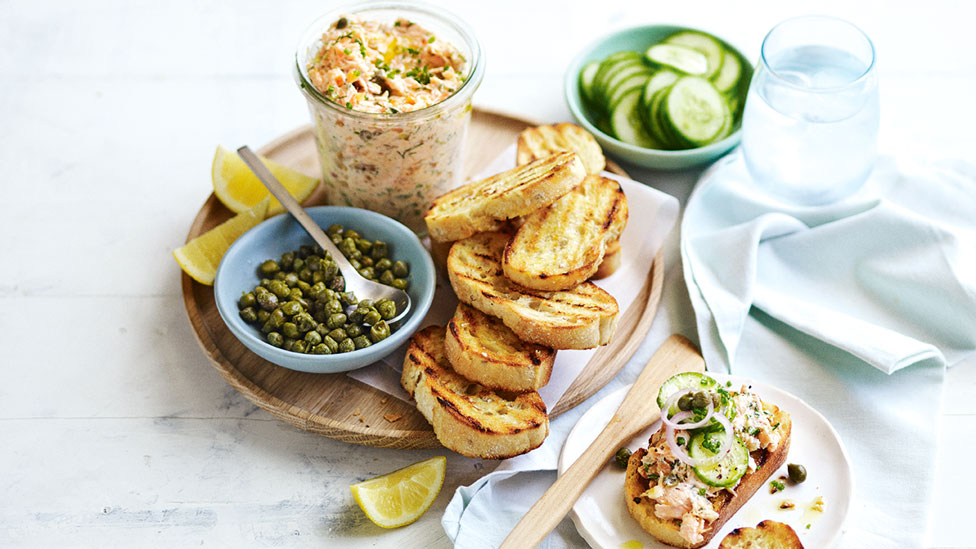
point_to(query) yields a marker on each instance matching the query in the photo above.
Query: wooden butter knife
(638, 411)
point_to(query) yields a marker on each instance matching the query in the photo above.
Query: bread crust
(481, 348)
(483, 205)
(541, 141)
(563, 244)
(613, 258)
(667, 531)
(581, 318)
(768, 534)
(468, 418)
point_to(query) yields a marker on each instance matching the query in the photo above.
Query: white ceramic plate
(601, 514)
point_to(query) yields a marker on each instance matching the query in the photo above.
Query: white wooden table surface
(114, 428)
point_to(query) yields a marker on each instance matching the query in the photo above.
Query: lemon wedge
(200, 257)
(240, 190)
(401, 497)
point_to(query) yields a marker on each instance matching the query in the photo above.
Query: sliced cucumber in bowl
(625, 120)
(696, 111)
(637, 80)
(708, 46)
(678, 58)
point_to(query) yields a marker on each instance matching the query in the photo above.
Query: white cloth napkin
(810, 299)
(652, 216)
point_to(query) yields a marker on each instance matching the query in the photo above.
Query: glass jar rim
(823, 18)
(471, 82)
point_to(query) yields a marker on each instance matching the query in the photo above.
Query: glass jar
(392, 163)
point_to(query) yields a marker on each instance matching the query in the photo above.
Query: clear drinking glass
(810, 128)
(394, 164)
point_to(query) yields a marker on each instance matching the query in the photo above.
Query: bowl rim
(574, 100)
(338, 362)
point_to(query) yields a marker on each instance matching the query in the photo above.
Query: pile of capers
(300, 302)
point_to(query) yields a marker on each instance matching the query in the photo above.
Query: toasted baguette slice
(468, 418)
(560, 246)
(724, 503)
(769, 534)
(481, 348)
(581, 318)
(481, 205)
(612, 260)
(542, 141)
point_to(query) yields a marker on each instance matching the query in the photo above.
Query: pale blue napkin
(855, 307)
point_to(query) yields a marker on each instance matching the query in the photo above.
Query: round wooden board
(339, 407)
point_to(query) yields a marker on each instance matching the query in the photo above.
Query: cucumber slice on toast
(680, 382)
(729, 469)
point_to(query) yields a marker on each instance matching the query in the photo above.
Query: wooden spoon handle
(677, 354)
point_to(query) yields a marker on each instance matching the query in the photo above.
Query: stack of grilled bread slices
(520, 247)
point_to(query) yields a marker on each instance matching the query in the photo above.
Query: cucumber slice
(661, 79)
(696, 110)
(586, 76)
(728, 76)
(679, 58)
(619, 76)
(680, 382)
(637, 80)
(612, 61)
(626, 121)
(600, 85)
(729, 469)
(705, 44)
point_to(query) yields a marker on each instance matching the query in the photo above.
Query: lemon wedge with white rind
(240, 190)
(401, 497)
(200, 257)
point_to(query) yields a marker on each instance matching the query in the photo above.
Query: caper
(356, 316)
(366, 261)
(267, 301)
(287, 258)
(279, 288)
(298, 264)
(361, 341)
(305, 275)
(400, 269)
(338, 283)
(291, 308)
(348, 298)
(333, 229)
(313, 338)
(336, 238)
(386, 308)
(372, 317)
(379, 250)
(246, 300)
(355, 264)
(304, 286)
(299, 346)
(330, 343)
(797, 472)
(321, 349)
(379, 331)
(291, 279)
(305, 250)
(289, 344)
(700, 400)
(383, 264)
(368, 273)
(350, 233)
(316, 290)
(248, 314)
(289, 329)
(353, 330)
(263, 288)
(264, 282)
(400, 283)
(346, 346)
(280, 275)
(318, 276)
(684, 402)
(336, 320)
(275, 339)
(263, 315)
(348, 245)
(622, 457)
(269, 267)
(333, 306)
(314, 264)
(386, 277)
(338, 334)
(330, 270)
(364, 245)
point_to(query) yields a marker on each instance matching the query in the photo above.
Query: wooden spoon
(638, 411)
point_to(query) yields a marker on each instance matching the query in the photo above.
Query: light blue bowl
(237, 273)
(639, 39)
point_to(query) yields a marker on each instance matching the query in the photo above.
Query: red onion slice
(723, 448)
(680, 416)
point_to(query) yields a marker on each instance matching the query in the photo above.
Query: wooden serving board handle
(638, 410)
